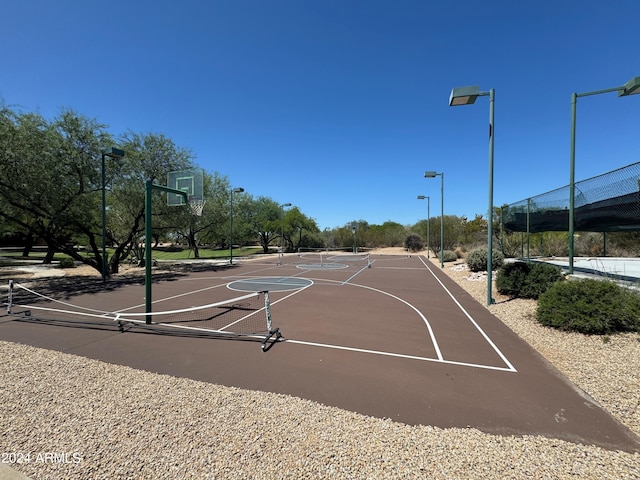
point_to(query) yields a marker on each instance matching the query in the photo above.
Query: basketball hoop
(196, 206)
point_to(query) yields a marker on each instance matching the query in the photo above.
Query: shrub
(526, 280)
(414, 242)
(67, 262)
(477, 260)
(449, 256)
(541, 277)
(589, 306)
(511, 277)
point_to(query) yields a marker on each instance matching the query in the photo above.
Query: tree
(267, 220)
(49, 178)
(295, 226)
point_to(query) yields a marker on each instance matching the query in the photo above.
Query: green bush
(589, 306)
(67, 262)
(477, 260)
(449, 256)
(511, 277)
(414, 242)
(526, 280)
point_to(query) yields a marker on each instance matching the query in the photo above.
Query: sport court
(386, 336)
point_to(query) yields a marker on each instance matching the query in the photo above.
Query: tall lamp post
(423, 197)
(354, 229)
(434, 175)
(632, 87)
(113, 153)
(282, 226)
(468, 96)
(233, 190)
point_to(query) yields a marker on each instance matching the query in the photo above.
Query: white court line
(420, 314)
(191, 292)
(355, 275)
(486, 337)
(397, 355)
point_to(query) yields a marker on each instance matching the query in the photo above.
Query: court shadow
(142, 329)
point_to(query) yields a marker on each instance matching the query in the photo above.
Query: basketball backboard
(189, 181)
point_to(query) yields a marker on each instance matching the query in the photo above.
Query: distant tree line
(51, 191)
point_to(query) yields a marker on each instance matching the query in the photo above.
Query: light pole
(355, 240)
(113, 153)
(632, 87)
(233, 190)
(467, 96)
(434, 175)
(422, 197)
(282, 229)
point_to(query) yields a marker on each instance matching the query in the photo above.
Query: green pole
(428, 222)
(148, 232)
(632, 87)
(442, 220)
(104, 222)
(490, 213)
(528, 229)
(572, 178)
(231, 229)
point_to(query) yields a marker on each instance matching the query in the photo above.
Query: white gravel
(69, 417)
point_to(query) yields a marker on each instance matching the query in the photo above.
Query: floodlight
(632, 87)
(464, 95)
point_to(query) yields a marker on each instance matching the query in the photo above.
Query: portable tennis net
(245, 316)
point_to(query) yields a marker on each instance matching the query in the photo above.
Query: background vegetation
(51, 187)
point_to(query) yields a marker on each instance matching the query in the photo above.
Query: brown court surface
(398, 340)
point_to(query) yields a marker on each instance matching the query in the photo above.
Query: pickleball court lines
(439, 358)
(254, 275)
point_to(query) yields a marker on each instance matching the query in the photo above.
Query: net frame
(141, 318)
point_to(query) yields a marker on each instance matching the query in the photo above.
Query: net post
(10, 299)
(267, 309)
(271, 331)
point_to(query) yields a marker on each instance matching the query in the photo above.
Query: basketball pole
(148, 233)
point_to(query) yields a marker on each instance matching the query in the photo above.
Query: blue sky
(339, 107)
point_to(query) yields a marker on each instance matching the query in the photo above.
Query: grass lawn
(7, 259)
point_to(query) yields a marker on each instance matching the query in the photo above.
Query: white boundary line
(475, 324)
(397, 355)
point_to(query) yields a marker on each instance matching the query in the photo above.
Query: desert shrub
(526, 280)
(67, 262)
(511, 277)
(477, 259)
(541, 277)
(589, 306)
(414, 242)
(449, 256)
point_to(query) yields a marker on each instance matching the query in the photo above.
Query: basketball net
(196, 206)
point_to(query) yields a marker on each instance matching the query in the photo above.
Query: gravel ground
(64, 416)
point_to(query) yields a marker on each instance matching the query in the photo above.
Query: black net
(607, 203)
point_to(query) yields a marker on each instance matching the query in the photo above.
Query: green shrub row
(589, 306)
(526, 279)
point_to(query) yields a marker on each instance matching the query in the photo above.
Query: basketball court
(386, 336)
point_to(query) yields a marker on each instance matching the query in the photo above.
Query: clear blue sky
(339, 106)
